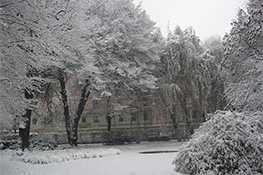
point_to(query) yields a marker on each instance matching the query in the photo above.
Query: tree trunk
(108, 118)
(63, 93)
(82, 102)
(174, 121)
(24, 132)
(187, 115)
(189, 122)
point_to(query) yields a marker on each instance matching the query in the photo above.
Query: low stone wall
(90, 137)
(85, 137)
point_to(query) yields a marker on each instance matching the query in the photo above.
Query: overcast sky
(207, 17)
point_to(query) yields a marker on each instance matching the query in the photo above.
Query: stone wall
(85, 137)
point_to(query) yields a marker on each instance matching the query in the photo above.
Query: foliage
(32, 52)
(113, 101)
(97, 42)
(190, 84)
(229, 143)
(118, 36)
(117, 137)
(11, 144)
(39, 145)
(42, 145)
(212, 42)
(244, 59)
(154, 138)
(31, 49)
(180, 49)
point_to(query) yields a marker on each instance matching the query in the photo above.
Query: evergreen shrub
(228, 143)
(117, 137)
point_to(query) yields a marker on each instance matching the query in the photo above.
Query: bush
(9, 144)
(228, 143)
(153, 138)
(42, 145)
(117, 137)
(34, 145)
(58, 156)
(164, 138)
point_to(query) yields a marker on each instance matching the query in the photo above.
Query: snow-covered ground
(107, 161)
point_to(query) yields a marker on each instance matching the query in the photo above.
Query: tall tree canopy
(118, 38)
(119, 35)
(244, 58)
(96, 42)
(230, 142)
(30, 48)
(190, 81)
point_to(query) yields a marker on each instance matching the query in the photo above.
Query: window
(120, 119)
(96, 119)
(145, 116)
(133, 118)
(83, 119)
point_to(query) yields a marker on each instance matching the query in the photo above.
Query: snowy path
(129, 162)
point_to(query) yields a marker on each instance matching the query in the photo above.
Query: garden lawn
(95, 159)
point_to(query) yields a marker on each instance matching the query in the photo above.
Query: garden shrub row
(117, 138)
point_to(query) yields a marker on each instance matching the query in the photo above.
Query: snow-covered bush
(9, 144)
(43, 145)
(58, 156)
(228, 143)
(37, 145)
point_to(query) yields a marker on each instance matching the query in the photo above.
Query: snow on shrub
(57, 156)
(228, 143)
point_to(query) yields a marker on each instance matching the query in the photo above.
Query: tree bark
(63, 93)
(174, 121)
(108, 118)
(187, 115)
(24, 132)
(82, 102)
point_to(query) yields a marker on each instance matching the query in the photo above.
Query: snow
(40, 157)
(128, 162)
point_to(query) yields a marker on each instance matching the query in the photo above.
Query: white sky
(207, 17)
